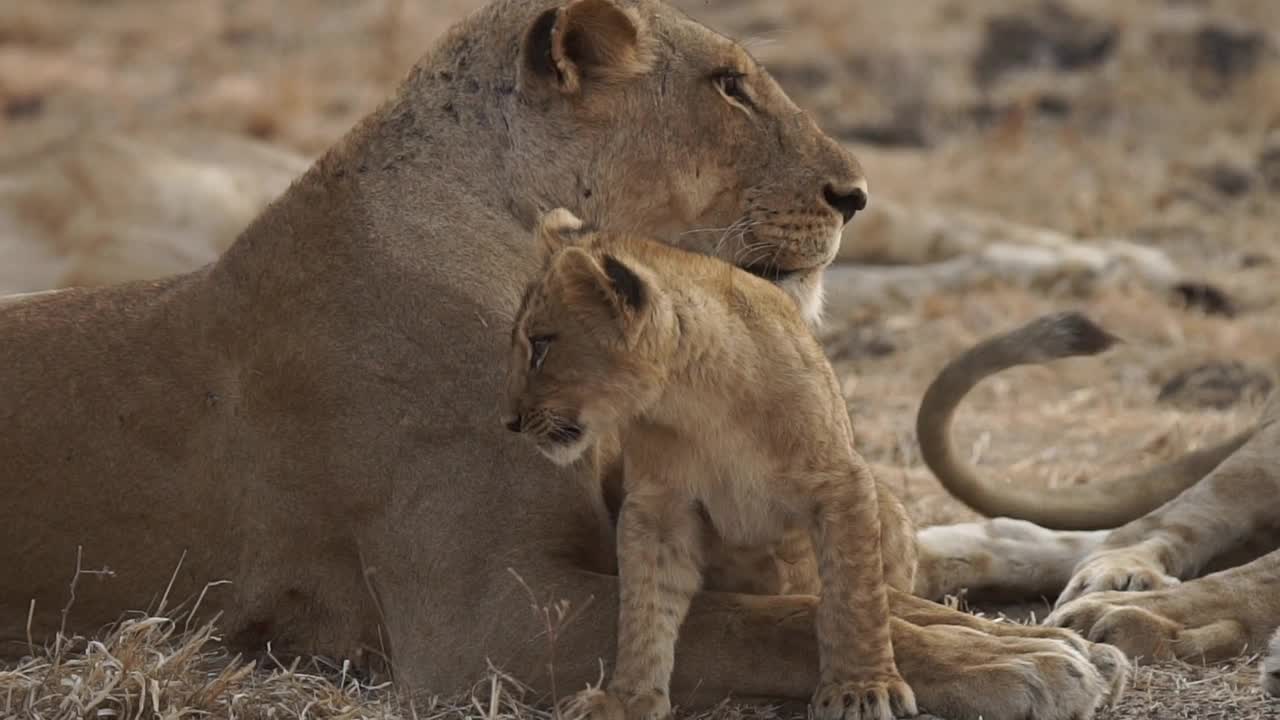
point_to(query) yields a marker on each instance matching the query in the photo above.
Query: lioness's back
(102, 379)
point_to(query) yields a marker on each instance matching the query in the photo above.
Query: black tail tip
(1069, 334)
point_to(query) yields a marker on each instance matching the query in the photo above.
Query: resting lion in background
(312, 416)
(1191, 570)
(97, 208)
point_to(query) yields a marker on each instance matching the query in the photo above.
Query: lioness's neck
(439, 164)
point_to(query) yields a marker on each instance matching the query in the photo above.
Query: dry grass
(154, 667)
(169, 667)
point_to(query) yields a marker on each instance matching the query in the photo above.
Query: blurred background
(137, 137)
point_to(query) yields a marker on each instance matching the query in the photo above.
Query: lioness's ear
(558, 229)
(581, 42)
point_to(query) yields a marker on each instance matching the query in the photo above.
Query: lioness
(311, 416)
(689, 360)
(1142, 586)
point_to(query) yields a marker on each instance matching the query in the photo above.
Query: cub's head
(634, 116)
(589, 342)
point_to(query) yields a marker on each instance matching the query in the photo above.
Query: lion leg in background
(764, 648)
(1000, 557)
(1230, 510)
(1209, 619)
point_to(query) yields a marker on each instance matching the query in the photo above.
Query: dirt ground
(1152, 120)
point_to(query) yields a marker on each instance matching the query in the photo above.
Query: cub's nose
(514, 424)
(846, 200)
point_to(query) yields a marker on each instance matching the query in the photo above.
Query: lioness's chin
(562, 453)
(806, 289)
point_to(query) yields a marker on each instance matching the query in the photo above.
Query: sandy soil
(1154, 120)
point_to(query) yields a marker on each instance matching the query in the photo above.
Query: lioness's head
(636, 117)
(590, 340)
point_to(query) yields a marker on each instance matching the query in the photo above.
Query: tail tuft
(1063, 335)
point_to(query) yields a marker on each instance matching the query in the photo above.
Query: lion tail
(1096, 505)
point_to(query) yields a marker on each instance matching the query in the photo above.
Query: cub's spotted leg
(858, 678)
(660, 569)
(1225, 510)
(1212, 618)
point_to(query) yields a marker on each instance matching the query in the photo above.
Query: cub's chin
(566, 449)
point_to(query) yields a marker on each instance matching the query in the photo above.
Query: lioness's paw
(1115, 570)
(879, 699)
(1158, 625)
(1050, 682)
(966, 675)
(594, 704)
(1114, 667)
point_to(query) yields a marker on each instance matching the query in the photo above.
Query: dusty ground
(1147, 119)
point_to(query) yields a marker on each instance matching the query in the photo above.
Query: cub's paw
(1123, 569)
(878, 699)
(595, 704)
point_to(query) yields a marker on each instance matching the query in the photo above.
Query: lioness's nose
(514, 424)
(846, 200)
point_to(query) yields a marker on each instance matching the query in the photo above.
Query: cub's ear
(628, 288)
(558, 229)
(583, 42)
(606, 281)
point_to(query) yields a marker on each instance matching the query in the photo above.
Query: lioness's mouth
(772, 273)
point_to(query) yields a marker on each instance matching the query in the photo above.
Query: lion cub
(731, 425)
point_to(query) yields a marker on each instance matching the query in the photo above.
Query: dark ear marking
(538, 45)
(626, 283)
(582, 41)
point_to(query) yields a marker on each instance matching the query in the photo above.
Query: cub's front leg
(659, 570)
(858, 678)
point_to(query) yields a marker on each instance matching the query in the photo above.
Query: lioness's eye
(732, 83)
(539, 345)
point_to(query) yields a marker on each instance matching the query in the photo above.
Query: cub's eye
(539, 345)
(733, 84)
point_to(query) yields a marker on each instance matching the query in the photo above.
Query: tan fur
(690, 363)
(1270, 670)
(1180, 577)
(312, 416)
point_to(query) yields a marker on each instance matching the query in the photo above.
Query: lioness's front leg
(1227, 508)
(763, 648)
(659, 569)
(858, 677)
(1212, 618)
